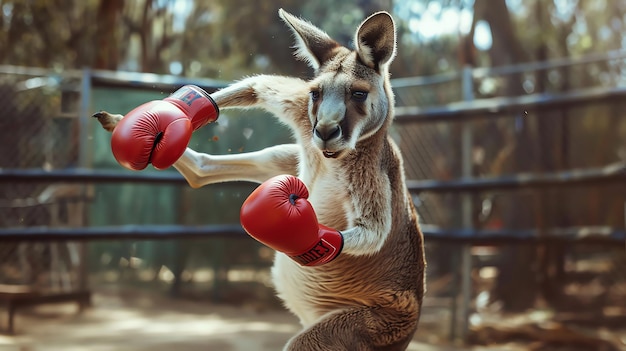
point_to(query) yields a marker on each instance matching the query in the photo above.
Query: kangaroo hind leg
(364, 329)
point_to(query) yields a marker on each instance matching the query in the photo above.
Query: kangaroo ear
(313, 45)
(375, 40)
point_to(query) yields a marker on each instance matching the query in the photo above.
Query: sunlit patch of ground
(137, 321)
(140, 323)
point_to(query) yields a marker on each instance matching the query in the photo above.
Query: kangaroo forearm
(200, 169)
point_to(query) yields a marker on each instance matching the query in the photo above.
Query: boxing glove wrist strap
(323, 251)
(197, 104)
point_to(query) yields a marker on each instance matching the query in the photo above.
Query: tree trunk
(516, 285)
(107, 35)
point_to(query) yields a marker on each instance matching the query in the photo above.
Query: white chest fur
(296, 284)
(293, 284)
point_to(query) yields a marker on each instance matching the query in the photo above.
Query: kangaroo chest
(330, 199)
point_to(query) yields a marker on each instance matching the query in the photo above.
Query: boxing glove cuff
(323, 251)
(197, 104)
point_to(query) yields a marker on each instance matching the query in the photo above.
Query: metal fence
(522, 162)
(504, 184)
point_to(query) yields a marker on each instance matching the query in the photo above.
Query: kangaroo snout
(328, 132)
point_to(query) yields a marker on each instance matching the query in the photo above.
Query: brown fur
(370, 296)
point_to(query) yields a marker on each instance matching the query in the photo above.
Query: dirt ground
(137, 322)
(148, 321)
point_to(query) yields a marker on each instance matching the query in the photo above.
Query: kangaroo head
(350, 96)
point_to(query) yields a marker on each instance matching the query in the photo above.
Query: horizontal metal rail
(550, 64)
(82, 175)
(480, 72)
(506, 106)
(612, 174)
(599, 235)
(120, 79)
(591, 235)
(122, 232)
(77, 175)
(421, 81)
(37, 71)
(150, 81)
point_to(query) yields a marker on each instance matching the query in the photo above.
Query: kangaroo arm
(286, 98)
(200, 169)
(372, 212)
(370, 230)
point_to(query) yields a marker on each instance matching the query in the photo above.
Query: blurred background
(509, 117)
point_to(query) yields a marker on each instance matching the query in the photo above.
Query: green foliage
(227, 39)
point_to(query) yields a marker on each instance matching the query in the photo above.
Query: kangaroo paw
(107, 120)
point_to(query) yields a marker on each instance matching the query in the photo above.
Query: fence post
(467, 210)
(84, 119)
(84, 161)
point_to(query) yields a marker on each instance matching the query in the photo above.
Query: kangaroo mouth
(330, 154)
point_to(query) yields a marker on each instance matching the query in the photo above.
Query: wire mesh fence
(532, 139)
(38, 129)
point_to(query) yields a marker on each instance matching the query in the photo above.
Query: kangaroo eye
(315, 94)
(359, 96)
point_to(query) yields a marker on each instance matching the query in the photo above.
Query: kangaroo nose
(327, 132)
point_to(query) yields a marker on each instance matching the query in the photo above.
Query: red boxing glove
(159, 131)
(278, 214)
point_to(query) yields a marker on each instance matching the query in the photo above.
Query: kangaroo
(370, 296)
